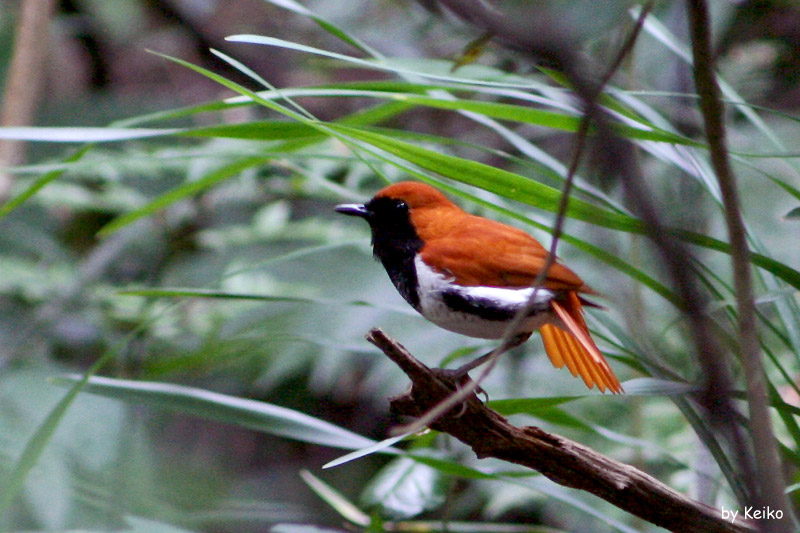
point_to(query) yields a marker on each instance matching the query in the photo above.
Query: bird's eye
(401, 206)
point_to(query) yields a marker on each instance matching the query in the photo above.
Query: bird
(471, 275)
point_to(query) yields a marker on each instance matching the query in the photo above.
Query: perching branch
(565, 462)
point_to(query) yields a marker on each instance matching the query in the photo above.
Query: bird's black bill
(353, 210)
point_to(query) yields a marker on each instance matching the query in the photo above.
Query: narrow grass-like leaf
(657, 387)
(454, 468)
(247, 71)
(537, 166)
(400, 67)
(184, 191)
(786, 414)
(179, 113)
(13, 482)
(528, 115)
(510, 112)
(223, 295)
(347, 509)
(266, 130)
(325, 24)
(493, 179)
(300, 117)
(514, 406)
(369, 450)
(81, 135)
(251, 414)
(41, 183)
(241, 90)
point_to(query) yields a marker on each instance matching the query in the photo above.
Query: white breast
(438, 292)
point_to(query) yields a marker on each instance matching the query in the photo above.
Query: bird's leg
(468, 387)
(460, 374)
(475, 363)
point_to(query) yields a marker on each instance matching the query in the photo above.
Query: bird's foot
(459, 377)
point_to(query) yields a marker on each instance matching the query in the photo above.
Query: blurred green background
(287, 288)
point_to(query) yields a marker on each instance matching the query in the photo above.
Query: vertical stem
(769, 474)
(24, 81)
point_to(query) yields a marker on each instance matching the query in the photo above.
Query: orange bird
(471, 275)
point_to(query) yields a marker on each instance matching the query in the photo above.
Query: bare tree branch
(566, 462)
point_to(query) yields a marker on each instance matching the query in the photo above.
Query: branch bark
(564, 461)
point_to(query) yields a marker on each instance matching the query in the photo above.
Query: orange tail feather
(575, 347)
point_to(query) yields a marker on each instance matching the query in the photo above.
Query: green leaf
(264, 130)
(184, 191)
(514, 406)
(656, 387)
(222, 295)
(493, 179)
(539, 117)
(252, 414)
(82, 135)
(325, 24)
(335, 499)
(40, 183)
(404, 488)
(13, 482)
(379, 447)
(437, 70)
(794, 213)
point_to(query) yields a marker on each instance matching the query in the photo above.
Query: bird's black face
(394, 240)
(389, 219)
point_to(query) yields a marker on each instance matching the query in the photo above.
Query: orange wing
(575, 347)
(479, 251)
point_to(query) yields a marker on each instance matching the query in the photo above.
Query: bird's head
(402, 210)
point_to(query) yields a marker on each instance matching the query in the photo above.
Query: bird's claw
(459, 378)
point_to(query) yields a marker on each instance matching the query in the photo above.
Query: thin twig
(770, 482)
